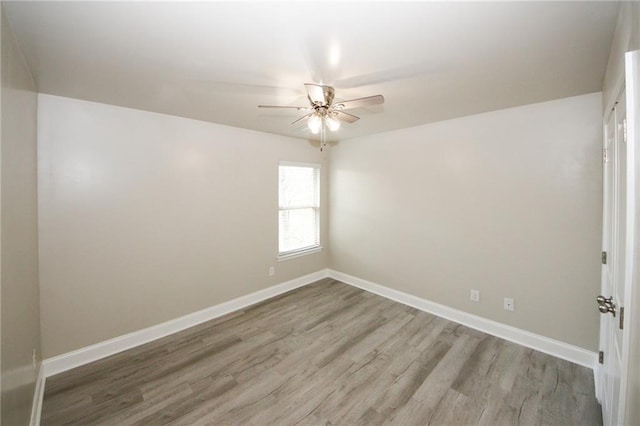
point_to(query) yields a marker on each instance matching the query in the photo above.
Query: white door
(632, 251)
(620, 248)
(610, 371)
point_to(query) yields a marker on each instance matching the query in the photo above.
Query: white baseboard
(540, 343)
(38, 396)
(64, 362)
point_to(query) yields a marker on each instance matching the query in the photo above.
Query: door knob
(603, 300)
(606, 308)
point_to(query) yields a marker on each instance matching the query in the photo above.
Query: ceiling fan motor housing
(328, 95)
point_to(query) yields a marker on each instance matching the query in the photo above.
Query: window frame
(303, 251)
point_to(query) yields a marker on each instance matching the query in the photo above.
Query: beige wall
(146, 217)
(506, 202)
(19, 253)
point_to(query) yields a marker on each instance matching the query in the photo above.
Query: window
(299, 215)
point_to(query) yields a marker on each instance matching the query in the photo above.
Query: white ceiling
(216, 61)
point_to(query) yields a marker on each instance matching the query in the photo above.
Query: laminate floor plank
(153, 403)
(327, 353)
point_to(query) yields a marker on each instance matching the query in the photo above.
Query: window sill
(299, 253)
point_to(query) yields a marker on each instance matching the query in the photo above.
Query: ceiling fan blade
(303, 118)
(299, 108)
(344, 116)
(316, 93)
(360, 102)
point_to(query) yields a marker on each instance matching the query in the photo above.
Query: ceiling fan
(324, 112)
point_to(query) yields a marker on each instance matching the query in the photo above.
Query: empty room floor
(327, 353)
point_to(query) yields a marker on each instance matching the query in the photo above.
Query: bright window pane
(297, 229)
(299, 200)
(298, 187)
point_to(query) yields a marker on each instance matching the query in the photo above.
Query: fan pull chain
(322, 135)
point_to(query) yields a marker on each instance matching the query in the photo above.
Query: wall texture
(507, 202)
(146, 217)
(19, 253)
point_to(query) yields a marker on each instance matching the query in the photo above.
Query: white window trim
(300, 164)
(299, 253)
(292, 254)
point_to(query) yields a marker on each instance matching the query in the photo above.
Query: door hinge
(604, 258)
(624, 130)
(601, 357)
(621, 317)
(605, 157)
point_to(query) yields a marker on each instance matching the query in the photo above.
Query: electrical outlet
(475, 295)
(272, 271)
(509, 305)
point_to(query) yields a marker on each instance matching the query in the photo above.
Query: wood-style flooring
(327, 353)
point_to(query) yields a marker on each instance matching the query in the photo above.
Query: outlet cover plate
(509, 304)
(475, 295)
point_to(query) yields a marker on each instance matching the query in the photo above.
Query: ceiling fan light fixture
(332, 123)
(314, 123)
